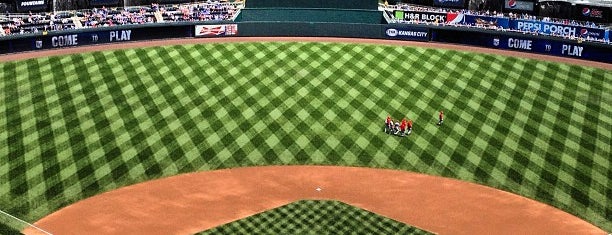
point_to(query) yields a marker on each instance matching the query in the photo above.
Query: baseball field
(78, 125)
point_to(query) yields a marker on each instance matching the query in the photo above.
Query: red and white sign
(216, 30)
(454, 18)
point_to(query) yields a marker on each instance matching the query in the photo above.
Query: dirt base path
(186, 204)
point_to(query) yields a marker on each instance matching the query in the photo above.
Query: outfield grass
(315, 217)
(75, 126)
(6, 229)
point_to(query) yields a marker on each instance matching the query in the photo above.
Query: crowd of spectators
(523, 16)
(104, 17)
(208, 11)
(493, 24)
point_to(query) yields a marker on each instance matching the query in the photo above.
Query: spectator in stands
(102, 17)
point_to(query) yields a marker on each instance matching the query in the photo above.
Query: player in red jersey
(388, 124)
(441, 117)
(403, 125)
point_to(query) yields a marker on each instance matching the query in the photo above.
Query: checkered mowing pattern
(315, 217)
(78, 125)
(6, 229)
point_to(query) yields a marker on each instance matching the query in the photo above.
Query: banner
(591, 13)
(557, 29)
(525, 43)
(420, 16)
(518, 5)
(52, 41)
(407, 33)
(31, 5)
(519, 44)
(87, 38)
(216, 30)
(487, 21)
(448, 3)
(558, 48)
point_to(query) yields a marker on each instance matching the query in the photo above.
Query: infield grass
(316, 217)
(78, 125)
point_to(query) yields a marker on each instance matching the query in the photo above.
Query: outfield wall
(447, 34)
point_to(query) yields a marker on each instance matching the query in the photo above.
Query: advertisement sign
(557, 29)
(108, 36)
(526, 43)
(487, 21)
(448, 3)
(38, 44)
(398, 14)
(542, 46)
(592, 32)
(216, 30)
(591, 13)
(421, 16)
(31, 5)
(518, 5)
(518, 43)
(407, 33)
(88, 38)
(455, 18)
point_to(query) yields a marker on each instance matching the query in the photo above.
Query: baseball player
(397, 127)
(403, 125)
(388, 124)
(409, 125)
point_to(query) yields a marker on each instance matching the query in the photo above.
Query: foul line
(20, 220)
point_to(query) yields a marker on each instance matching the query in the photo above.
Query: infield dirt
(189, 203)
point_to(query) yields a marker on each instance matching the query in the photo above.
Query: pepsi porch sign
(515, 5)
(557, 29)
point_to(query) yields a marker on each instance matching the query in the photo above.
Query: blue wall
(446, 34)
